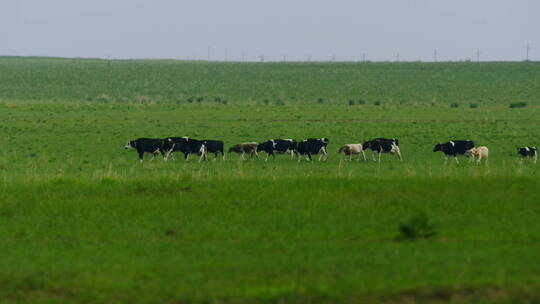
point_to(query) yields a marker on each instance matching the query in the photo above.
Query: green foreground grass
(287, 240)
(82, 221)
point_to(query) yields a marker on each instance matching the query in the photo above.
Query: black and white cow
(213, 146)
(185, 145)
(312, 146)
(454, 148)
(148, 145)
(273, 146)
(383, 145)
(528, 152)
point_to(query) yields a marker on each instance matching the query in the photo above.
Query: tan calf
(246, 147)
(478, 154)
(351, 149)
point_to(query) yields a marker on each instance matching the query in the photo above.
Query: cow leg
(535, 157)
(322, 150)
(380, 156)
(373, 155)
(162, 154)
(455, 158)
(242, 155)
(445, 159)
(141, 156)
(166, 155)
(364, 155)
(399, 155)
(202, 152)
(153, 156)
(308, 156)
(256, 154)
(266, 159)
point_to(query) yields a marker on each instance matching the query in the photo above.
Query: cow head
(438, 147)
(235, 148)
(168, 144)
(470, 152)
(130, 144)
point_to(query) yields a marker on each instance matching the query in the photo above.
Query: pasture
(81, 220)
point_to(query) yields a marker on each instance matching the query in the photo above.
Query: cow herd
(307, 148)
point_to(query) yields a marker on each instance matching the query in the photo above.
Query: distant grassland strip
(172, 81)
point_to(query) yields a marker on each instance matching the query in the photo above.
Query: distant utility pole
(527, 47)
(397, 57)
(435, 55)
(284, 58)
(477, 55)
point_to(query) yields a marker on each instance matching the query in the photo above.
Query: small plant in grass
(454, 105)
(351, 102)
(200, 99)
(520, 104)
(224, 101)
(320, 100)
(417, 227)
(361, 102)
(473, 105)
(190, 100)
(266, 101)
(377, 103)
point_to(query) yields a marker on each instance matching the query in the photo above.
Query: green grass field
(82, 221)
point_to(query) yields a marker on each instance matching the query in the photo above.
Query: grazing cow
(185, 145)
(213, 146)
(273, 146)
(454, 148)
(148, 145)
(528, 152)
(246, 147)
(478, 154)
(312, 146)
(351, 149)
(383, 145)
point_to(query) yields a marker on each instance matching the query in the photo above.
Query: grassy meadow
(82, 221)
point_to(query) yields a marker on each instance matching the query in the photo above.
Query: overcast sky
(297, 29)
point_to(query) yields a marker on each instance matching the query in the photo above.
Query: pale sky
(296, 29)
